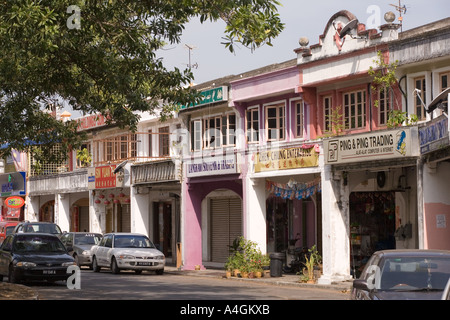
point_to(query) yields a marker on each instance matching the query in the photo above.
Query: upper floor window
(120, 147)
(299, 124)
(213, 132)
(444, 80)
(275, 119)
(385, 104)
(327, 103)
(355, 109)
(164, 148)
(420, 97)
(252, 125)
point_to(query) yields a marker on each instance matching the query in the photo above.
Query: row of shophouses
(260, 157)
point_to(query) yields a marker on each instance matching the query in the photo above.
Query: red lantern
(97, 201)
(106, 202)
(116, 201)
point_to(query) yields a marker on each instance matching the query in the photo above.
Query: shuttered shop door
(126, 218)
(226, 222)
(84, 219)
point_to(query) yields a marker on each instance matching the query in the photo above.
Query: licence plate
(49, 271)
(145, 263)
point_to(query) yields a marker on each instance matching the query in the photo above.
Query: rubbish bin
(276, 264)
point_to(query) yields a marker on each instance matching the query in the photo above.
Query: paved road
(149, 286)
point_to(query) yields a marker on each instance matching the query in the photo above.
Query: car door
(102, 250)
(5, 255)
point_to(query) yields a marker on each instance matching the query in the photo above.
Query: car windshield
(132, 241)
(43, 228)
(87, 238)
(38, 244)
(414, 273)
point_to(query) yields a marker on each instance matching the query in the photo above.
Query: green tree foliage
(100, 57)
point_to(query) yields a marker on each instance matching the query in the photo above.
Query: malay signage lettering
(213, 95)
(211, 166)
(434, 135)
(289, 158)
(13, 183)
(378, 145)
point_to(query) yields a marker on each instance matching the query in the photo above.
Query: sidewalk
(284, 280)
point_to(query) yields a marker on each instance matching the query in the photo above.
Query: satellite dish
(439, 100)
(348, 27)
(120, 166)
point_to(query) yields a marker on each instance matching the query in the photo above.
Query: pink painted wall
(437, 226)
(195, 191)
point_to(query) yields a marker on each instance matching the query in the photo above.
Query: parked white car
(127, 251)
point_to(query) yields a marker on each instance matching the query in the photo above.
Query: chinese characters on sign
(300, 157)
(104, 177)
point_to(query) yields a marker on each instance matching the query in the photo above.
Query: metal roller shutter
(126, 218)
(226, 225)
(84, 219)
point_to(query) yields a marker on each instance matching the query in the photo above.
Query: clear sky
(302, 18)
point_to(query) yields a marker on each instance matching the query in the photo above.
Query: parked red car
(6, 227)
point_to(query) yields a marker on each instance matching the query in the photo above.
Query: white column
(139, 207)
(254, 207)
(62, 211)
(32, 208)
(335, 228)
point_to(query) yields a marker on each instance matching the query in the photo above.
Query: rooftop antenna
(401, 9)
(190, 66)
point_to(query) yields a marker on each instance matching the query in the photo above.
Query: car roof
(413, 252)
(31, 234)
(124, 234)
(37, 222)
(82, 232)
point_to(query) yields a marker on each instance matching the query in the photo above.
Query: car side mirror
(69, 249)
(360, 285)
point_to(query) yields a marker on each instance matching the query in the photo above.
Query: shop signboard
(104, 177)
(211, 166)
(13, 184)
(213, 95)
(434, 135)
(288, 158)
(377, 145)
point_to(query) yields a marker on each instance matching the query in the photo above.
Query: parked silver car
(127, 251)
(81, 244)
(404, 275)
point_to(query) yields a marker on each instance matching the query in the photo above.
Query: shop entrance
(290, 223)
(162, 226)
(372, 226)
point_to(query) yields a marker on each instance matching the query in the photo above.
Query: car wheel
(11, 275)
(114, 268)
(95, 266)
(160, 271)
(1, 278)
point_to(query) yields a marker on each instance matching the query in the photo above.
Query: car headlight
(68, 264)
(160, 257)
(25, 264)
(86, 253)
(126, 256)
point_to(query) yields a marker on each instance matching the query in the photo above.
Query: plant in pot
(313, 259)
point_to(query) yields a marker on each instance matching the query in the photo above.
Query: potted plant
(312, 260)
